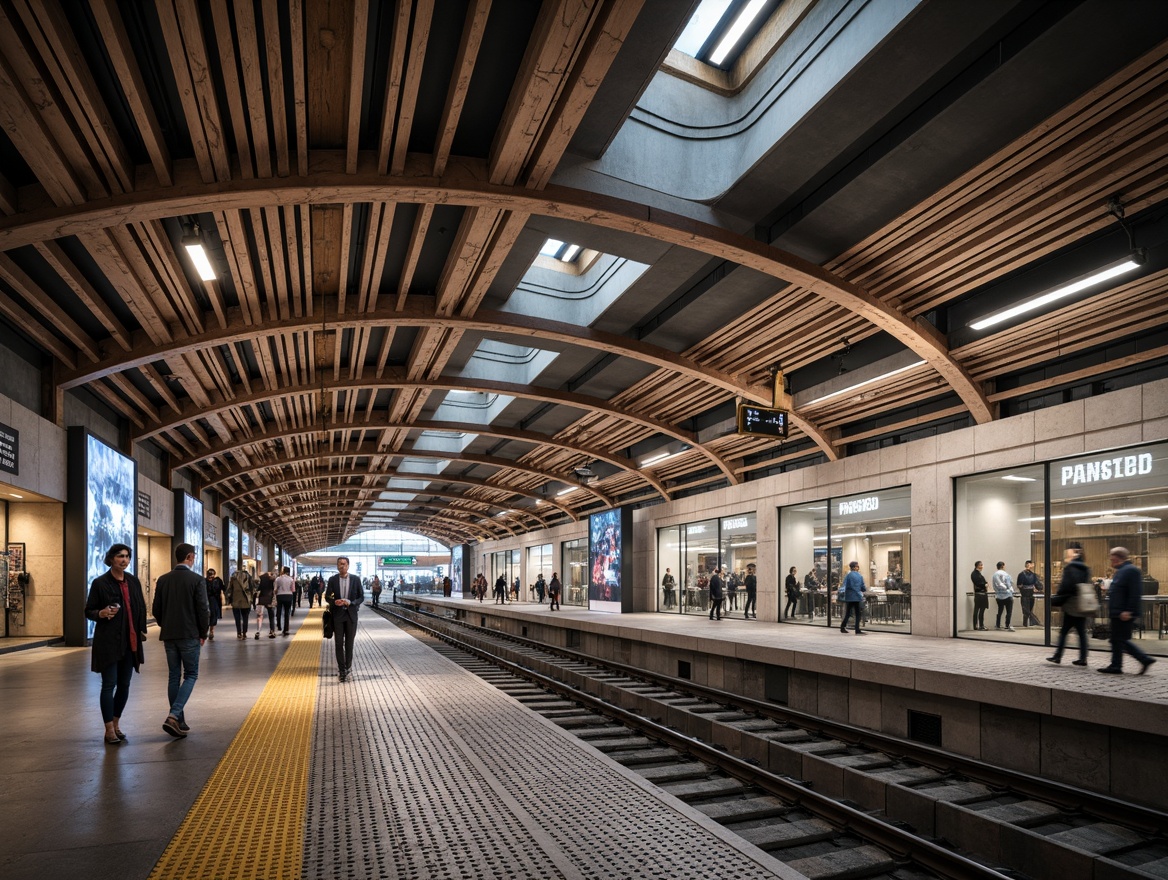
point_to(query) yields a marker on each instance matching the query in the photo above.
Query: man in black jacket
(716, 594)
(1124, 599)
(180, 608)
(344, 596)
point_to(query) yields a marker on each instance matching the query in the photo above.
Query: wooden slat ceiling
(364, 172)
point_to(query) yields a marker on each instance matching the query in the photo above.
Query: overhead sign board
(762, 420)
(398, 560)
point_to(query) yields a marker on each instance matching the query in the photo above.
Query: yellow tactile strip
(221, 837)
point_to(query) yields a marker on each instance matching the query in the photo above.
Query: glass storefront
(819, 539)
(688, 554)
(539, 561)
(505, 563)
(574, 572)
(1101, 500)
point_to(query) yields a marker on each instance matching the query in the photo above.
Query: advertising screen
(604, 560)
(111, 495)
(232, 547)
(193, 528)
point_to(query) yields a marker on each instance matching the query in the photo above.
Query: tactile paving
(248, 821)
(421, 770)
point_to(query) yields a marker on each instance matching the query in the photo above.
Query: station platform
(412, 768)
(998, 702)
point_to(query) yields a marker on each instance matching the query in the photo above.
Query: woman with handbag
(1075, 572)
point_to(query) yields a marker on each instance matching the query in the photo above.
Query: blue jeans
(182, 658)
(115, 687)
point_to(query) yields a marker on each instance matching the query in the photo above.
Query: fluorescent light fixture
(14, 495)
(732, 36)
(1015, 479)
(1130, 510)
(871, 381)
(1109, 519)
(1127, 264)
(661, 456)
(193, 242)
(746, 544)
(567, 491)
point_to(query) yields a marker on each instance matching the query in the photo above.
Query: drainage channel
(1037, 828)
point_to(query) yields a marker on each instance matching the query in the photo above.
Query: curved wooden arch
(463, 184)
(439, 456)
(448, 528)
(338, 497)
(461, 480)
(522, 436)
(193, 412)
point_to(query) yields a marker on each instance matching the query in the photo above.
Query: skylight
(560, 250)
(719, 29)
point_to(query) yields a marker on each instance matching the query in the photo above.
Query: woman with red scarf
(118, 609)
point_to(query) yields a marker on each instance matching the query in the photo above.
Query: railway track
(830, 800)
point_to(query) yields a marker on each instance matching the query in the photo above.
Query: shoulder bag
(1084, 603)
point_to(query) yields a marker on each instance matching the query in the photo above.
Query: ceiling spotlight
(192, 240)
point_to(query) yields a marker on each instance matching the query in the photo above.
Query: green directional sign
(398, 560)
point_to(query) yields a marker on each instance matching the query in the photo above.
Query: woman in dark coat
(214, 601)
(118, 609)
(554, 590)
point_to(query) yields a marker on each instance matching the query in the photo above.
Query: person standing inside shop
(981, 596)
(1004, 594)
(669, 588)
(1075, 572)
(854, 590)
(344, 596)
(1028, 583)
(117, 607)
(751, 583)
(810, 590)
(791, 587)
(1123, 607)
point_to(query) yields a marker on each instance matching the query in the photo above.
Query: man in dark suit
(181, 610)
(344, 596)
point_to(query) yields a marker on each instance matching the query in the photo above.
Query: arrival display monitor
(762, 420)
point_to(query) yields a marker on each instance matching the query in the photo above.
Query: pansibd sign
(1105, 469)
(859, 505)
(398, 560)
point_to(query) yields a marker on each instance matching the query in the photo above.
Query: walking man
(854, 589)
(344, 596)
(751, 609)
(1123, 607)
(285, 596)
(180, 609)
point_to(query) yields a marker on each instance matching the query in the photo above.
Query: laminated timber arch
(464, 183)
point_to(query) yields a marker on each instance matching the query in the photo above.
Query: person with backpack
(239, 596)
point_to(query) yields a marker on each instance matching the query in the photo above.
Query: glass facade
(539, 561)
(818, 540)
(574, 572)
(1101, 500)
(688, 554)
(505, 563)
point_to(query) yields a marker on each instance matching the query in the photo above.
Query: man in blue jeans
(1123, 607)
(181, 611)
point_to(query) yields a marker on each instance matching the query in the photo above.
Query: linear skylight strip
(730, 40)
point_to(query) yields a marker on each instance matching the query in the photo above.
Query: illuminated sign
(398, 560)
(1105, 469)
(860, 505)
(736, 523)
(762, 420)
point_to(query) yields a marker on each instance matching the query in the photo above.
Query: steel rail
(1068, 797)
(899, 843)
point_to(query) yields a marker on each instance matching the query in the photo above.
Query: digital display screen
(604, 560)
(456, 553)
(232, 547)
(110, 507)
(193, 528)
(246, 545)
(762, 420)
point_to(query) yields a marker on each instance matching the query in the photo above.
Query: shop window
(688, 555)
(574, 572)
(818, 540)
